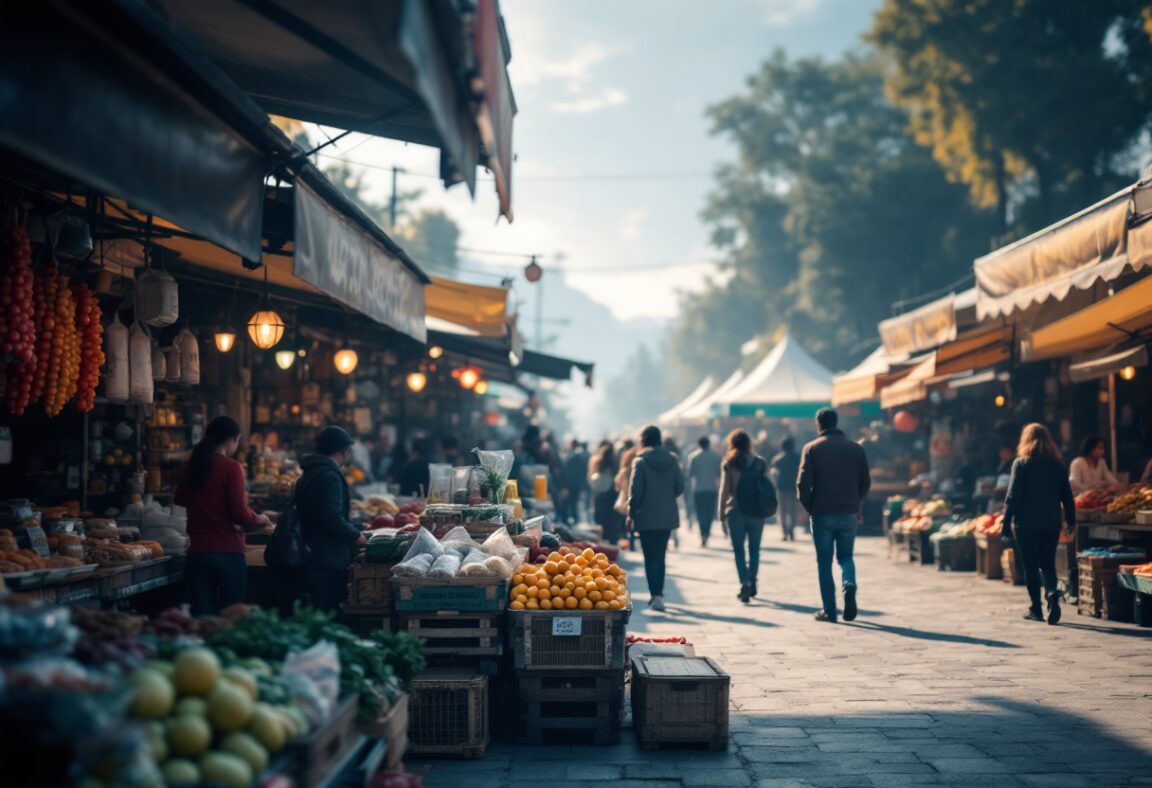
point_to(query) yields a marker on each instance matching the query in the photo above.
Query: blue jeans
(751, 529)
(834, 535)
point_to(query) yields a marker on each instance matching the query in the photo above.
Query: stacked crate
(569, 669)
(1100, 596)
(369, 606)
(460, 619)
(448, 714)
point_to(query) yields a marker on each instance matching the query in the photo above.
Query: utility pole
(392, 202)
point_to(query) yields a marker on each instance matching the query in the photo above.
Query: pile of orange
(570, 580)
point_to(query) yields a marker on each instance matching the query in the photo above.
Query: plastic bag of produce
(424, 544)
(417, 566)
(140, 365)
(445, 566)
(439, 483)
(473, 564)
(496, 466)
(116, 373)
(460, 535)
(498, 566)
(500, 544)
(462, 487)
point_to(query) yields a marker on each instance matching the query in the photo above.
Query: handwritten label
(568, 626)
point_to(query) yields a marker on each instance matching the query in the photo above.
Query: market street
(939, 681)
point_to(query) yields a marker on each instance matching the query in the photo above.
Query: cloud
(785, 13)
(607, 97)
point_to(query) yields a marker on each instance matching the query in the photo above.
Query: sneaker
(657, 603)
(824, 615)
(1033, 614)
(745, 593)
(850, 603)
(1053, 609)
(752, 588)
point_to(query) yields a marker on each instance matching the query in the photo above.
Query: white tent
(788, 383)
(702, 410)
(700, 392)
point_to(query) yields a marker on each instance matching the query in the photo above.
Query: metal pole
(392, 202)
(1112, 419)
(540, 315)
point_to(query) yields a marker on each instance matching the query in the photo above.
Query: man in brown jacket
(833, 481)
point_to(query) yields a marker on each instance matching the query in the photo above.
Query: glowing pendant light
(285, 358)
(469, 377)
(417, 381)
(345, 360)
(225, 340)
(435, 351)
(266, 327)
(481, 387)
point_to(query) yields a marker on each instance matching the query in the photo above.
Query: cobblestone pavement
(939, 682)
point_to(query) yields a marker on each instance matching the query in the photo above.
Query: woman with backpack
(747, 498)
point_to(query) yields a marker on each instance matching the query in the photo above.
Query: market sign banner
(339, 258)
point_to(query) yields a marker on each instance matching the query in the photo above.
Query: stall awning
(912, 387)
(787, 383)
(1105, 323)
(702, 410)
(976, 349)
(105, 95)
(475, 307)
(1076, 253)
(862, 382)
(554, 367)
(924, 328)
(1106, 365)
(497, 105)
(700, 392)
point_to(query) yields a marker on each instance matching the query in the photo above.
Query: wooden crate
(568, 640)
(392, 726)
(456, 635)
(920, 548)
(678, 701)
(448, 713)
(321, 754)
(571, 708)
(989, 550)
(956, 555)
(370, 586)
(1100, 595)
(1012, 572)
(455, 594)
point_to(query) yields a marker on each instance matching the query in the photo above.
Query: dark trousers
(325, 589)
(655, 547)
(787, 515)
(705, 504)
(746, 531)
(607, 517)
(215, 581)
(1037, 549)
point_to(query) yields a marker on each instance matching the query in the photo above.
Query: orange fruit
(545, 604)
(517, 579)
(563, 593)
(517, 605)
(589, 554)
(533, 592)
(532, 605)
(563, 567)
(555, 557)
(522, 598)
(551, 567)
(586, 604)
(543, 583)
(570, 584)
(603, 606)
(580, 593)
(608, 594)
(545, 593)
(597, 572)
(615, 604)
(565, 550)
(555, 590)
(519, 588)
(601, 583)
(595, 596)
(571, 603)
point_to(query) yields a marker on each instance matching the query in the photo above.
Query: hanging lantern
(157, 299)
(481, 387)
(224, 340)
(905, 421)
(345, 360)
(285, 358)
(1000, 400)
(417, 381)
(533, 271)
(266, 328)
(435, 351)
(469, 377)
(1128, 372)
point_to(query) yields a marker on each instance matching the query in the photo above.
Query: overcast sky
(613, 155)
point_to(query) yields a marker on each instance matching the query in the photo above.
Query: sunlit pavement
(939, 681)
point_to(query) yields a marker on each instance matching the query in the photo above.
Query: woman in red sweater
(212, 488)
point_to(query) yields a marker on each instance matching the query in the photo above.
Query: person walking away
(211, 486)
(628, 454)
(739, 510)
(576, 480)
(324, 502)
(656, 482)
(602, 479)
(785, 468)
(1037, 490)
(704, 485)
(831, 486)
(1090, 471)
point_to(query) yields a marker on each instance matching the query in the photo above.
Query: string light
(481, 387)
(435, 351)
(469, 377)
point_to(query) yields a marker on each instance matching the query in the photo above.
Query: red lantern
(533, 271)
(905, 421)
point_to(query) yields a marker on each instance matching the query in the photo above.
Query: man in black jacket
(833, 481)
(324, 504)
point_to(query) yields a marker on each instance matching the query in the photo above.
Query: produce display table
(108, 585)
(1141, 586)
(988, 555)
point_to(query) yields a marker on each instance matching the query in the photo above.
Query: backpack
(286, 548)
(755, 494)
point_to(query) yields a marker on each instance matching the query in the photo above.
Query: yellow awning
(913, 387)
(975, 349)
(1103, 324)
(476, 307)
(921, 329)
(862, 382)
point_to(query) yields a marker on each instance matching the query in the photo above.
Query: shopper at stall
(211, 486)
(324, 503)
(1090, 471)
(785, 469)
(832, 483)
(656, 483)
(745, 526)
(1037, 491)
(703, 480)
(602, 471)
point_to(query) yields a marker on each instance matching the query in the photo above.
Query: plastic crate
(956, 555)
(569, 640)
(448, 714)
(456, 594)
(679, 701)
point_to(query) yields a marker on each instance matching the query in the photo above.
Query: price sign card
(567, 626)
